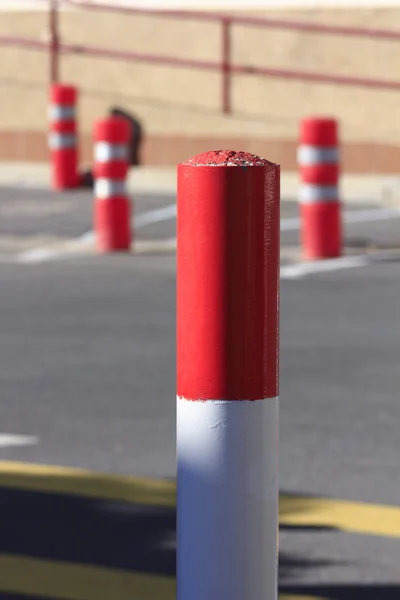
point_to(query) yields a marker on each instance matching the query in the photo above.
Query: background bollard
(227, 377)
(320, 208)
(112, 205)
(63, 137)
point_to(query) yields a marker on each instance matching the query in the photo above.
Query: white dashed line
(168, 212)
(8, 439)
(323, 266)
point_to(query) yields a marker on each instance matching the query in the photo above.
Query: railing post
(54, 41)
(226, 65)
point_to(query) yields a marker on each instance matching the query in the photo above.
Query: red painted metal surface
(228, 277)
(319, 132)
(63, 156)
(320, 174)
(22, 42)
(320, 231)
(112, 211)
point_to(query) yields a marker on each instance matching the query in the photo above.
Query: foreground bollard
(63, 137)
(320, 209)
(112, 206)
(227, 377)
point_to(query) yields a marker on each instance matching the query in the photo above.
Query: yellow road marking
(59, 580)
(357, 517)
(92, 484)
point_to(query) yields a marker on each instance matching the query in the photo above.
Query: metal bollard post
(320, 209)
(227, 377)
(112, 205)
(63, 137)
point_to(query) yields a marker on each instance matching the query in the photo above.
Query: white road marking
(371, 214)
(7, 439)
(155, 216)
(37, 255)
(352, 216)
(323, 266)
(168, 212)
(141, 220)
(162, 245)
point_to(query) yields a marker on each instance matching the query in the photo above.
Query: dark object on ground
(136, 136)
(86, 179)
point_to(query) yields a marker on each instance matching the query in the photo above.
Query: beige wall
(181, 106)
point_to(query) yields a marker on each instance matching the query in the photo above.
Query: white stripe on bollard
(228, 467)
(108, 188)
(61, 141)
(105, 152)
(61, 112)
(314, 155)
(313, 193)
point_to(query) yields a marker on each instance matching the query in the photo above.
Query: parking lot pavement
(87, 365)
(27, 212)
(42, 221)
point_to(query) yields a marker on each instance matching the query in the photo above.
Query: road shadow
(88, 531)
(366, 591)
(128, 525)
(66, 527)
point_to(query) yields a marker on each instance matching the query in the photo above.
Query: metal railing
(56, 47)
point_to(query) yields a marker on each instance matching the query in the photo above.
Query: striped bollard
(112, 206)
(320, 208)
(63, 137)
(227, 377)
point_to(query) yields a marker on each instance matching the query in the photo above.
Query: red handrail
(242, 20)
(225, 66)
(22, 42)
(238, 69)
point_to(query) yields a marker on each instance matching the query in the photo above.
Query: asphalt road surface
(32, 213)
(87, 372)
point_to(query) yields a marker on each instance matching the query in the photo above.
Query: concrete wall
(181, 108)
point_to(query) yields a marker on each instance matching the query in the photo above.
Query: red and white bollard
(227, 377)
(112, 206)
(320, 207)
(63, 137)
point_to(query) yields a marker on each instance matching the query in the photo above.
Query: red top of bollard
(228, 277)
(62, 94)
(115, 130)
(227, 158)
(319, 131)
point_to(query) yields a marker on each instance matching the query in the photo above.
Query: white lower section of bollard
(227, 530)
